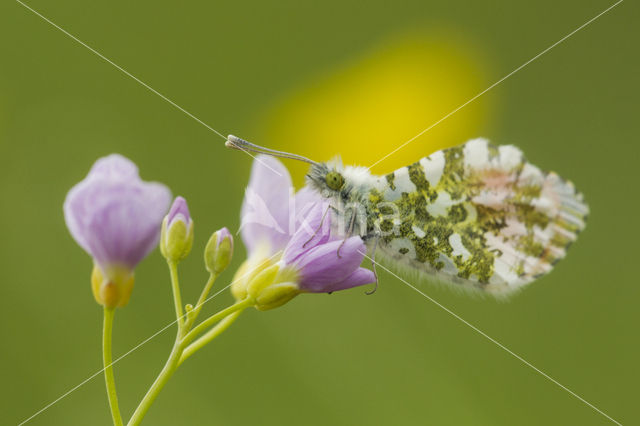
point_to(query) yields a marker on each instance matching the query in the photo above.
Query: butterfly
(477, 216)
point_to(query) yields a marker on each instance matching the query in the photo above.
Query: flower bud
(245, 273)
(268, 284)
(177, 232)
(219, 250)
(276, 295)
(262, 280)
(114, 291)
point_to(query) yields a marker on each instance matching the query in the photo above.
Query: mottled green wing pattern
(478, 215)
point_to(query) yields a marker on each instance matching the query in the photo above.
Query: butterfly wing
(476, 215)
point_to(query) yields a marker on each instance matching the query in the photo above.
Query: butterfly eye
(334, 180)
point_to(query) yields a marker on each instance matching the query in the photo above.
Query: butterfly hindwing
(475, 214)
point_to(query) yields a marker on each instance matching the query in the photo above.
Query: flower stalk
(176, 357)
(185, 334)
(108, 367)
(177, 296)
(194, 311)
(209, 336)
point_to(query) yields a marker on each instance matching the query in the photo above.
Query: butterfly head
(326, 178)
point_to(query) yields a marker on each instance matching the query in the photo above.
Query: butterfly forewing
(475, 214)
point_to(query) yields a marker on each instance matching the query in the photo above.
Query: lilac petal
(78, 208)
(179, 211)
(321, 265)
(114, 166)
(224, 234)
(76, 211)
(127, 227)
(116, 217)
(305, 198)
(265, 210)
(360, 276)
(309, 233)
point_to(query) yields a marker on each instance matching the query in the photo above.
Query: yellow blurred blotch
(365, 109)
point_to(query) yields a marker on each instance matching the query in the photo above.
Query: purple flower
(324, 262)
(293, 233)
(115, 216)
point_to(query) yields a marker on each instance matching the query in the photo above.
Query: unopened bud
(262, 280)
(219, 250)
(177, 232)
(276, 295)
(245, 273)
(272, 287)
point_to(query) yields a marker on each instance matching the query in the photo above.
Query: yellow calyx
(262, 280)
(276, 295)
(265, 281)
(113, 289)
(257, 262)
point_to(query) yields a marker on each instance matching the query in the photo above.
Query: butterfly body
(476, 215)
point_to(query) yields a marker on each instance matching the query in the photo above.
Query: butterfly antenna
(235, 142)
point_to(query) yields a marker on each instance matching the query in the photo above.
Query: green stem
(203, 298)
(209, 336)
(175, 356)
(177, 298)
(238, 306)
(108, 368)
(166, 373)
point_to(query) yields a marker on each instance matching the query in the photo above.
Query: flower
(290, 243)
(177, 232)
(322, 262)
(218, 252)
(115, 217)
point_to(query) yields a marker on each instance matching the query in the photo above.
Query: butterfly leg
(352, 223)
(324, 215)
(373, 265)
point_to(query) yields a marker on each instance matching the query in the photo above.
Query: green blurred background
(320, 78)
